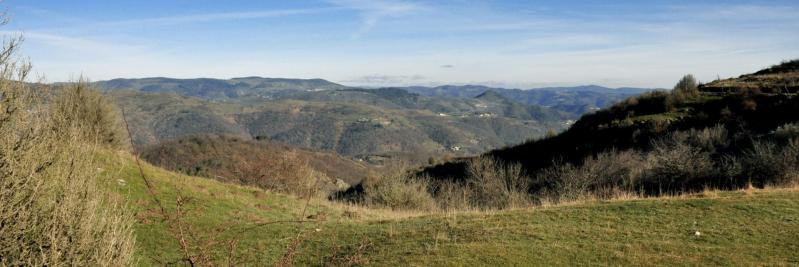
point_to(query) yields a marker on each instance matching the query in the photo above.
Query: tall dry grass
(53, 208)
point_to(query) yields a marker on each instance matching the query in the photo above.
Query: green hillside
(682, 141)
(372, 125)
(749, 227)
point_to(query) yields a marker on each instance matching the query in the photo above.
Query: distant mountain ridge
(218, 89)
(369, 124)
(575, 100)
(572, 101)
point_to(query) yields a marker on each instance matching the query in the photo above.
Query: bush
(496, 185)
(677, 168)
(53, 210)
(564, 182)
(686, 88)
(450, 195)
(83, 108)
(708, 140)
(765, 164)
(791, 156)
(286, 173)
(603, 176)
(398, 191)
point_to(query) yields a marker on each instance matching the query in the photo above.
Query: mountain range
(374, 125)
(574, 101)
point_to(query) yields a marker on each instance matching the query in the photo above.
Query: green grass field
(754, 227)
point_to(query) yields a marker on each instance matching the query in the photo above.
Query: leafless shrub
(564, 182)
(398, 190)
(496, 185)
(676, 167)
(707, 139)
(81, 107)
(765, 164)
(452, 195)
(286, 173)
(53, 209)
(791, 156)
(602, 176)
(730, 169)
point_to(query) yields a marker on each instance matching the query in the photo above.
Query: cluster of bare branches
(53, 210)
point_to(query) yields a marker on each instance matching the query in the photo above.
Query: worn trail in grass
(757, 227)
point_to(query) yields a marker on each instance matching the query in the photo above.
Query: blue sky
(522, 44)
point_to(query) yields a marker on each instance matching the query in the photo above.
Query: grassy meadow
(745, 227)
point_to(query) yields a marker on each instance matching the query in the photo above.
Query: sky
(518, 44)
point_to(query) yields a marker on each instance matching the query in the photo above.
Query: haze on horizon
(389, 43)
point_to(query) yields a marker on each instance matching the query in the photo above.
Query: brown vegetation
(780, 78)
(52, 208)
(266, 164)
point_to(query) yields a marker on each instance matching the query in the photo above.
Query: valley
(399, 133)
(389, 123)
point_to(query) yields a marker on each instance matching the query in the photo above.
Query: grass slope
(758, 227)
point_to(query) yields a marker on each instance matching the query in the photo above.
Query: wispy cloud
(372, 11)
(219, 17)
(750, 12)
(386, 80)
(72, 43)
(61, 57)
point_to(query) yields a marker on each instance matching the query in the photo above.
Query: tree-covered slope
(368, 124)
